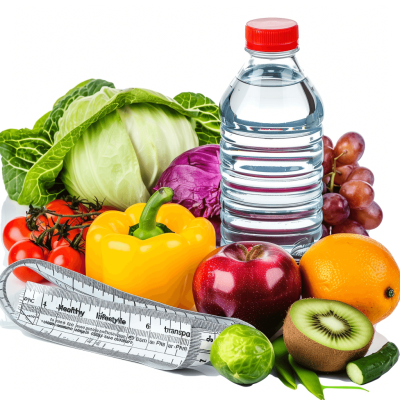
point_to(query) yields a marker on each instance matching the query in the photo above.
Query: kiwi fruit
(325, 335)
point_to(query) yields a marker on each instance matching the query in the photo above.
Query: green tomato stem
(77, 215)
(147, 223)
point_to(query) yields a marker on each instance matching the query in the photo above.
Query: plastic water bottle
(271, 144)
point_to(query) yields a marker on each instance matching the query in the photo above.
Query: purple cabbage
(195, 178)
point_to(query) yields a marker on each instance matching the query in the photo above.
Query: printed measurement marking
(104, 320)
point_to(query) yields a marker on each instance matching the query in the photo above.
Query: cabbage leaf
(103, 164)
(89, 88)
(208, 121)
(21, 149)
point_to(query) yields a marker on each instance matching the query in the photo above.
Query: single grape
(343, 173)
(327, 141)
(325, 231)
(362, 174)
(354, 166)
(335, 208)
(349, 226)
(352, 145)
(326, 179)
(359, 194)
(370, 217)
(324, 190)
(328, 159)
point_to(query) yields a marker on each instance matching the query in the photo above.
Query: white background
(349, 49)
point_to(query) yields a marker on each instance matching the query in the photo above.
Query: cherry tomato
(42, 222)
(57, 242)
(81, 210)
(61, 207)
(86, 230)
(15, 231)
(77, 208)
(35, 235)
(46, 252)
(26, 249)
(83, 267)
(67, 257)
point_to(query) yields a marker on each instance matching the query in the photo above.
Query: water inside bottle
(271, 156)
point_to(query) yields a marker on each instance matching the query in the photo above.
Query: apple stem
(254, 253)
(243, 253)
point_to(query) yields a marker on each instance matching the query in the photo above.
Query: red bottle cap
(272, 34)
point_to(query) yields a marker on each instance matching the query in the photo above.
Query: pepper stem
(147, 223)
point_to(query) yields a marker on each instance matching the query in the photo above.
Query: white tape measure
(89, 315)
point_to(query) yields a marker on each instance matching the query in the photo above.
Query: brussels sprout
(242, 354)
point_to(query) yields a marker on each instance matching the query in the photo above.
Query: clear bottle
(271, 144)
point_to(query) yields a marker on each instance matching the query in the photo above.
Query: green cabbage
(120, 157)
(102, 142)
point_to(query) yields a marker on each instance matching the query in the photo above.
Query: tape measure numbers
(89, 315)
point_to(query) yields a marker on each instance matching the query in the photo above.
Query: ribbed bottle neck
(274, 55)
(278, 68)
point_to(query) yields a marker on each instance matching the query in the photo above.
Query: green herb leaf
(311, 381)
(308, 378)
(207, 122)
(284, 369)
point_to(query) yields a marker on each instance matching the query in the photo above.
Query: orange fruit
(354, 269)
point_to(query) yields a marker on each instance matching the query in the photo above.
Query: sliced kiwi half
(324, 335)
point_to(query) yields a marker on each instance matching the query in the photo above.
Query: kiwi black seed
(324, 335)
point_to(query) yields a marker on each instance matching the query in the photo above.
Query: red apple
(254, 281)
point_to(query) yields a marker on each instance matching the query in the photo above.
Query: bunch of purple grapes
(348, 195)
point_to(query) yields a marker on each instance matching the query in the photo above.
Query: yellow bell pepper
(160, 268)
